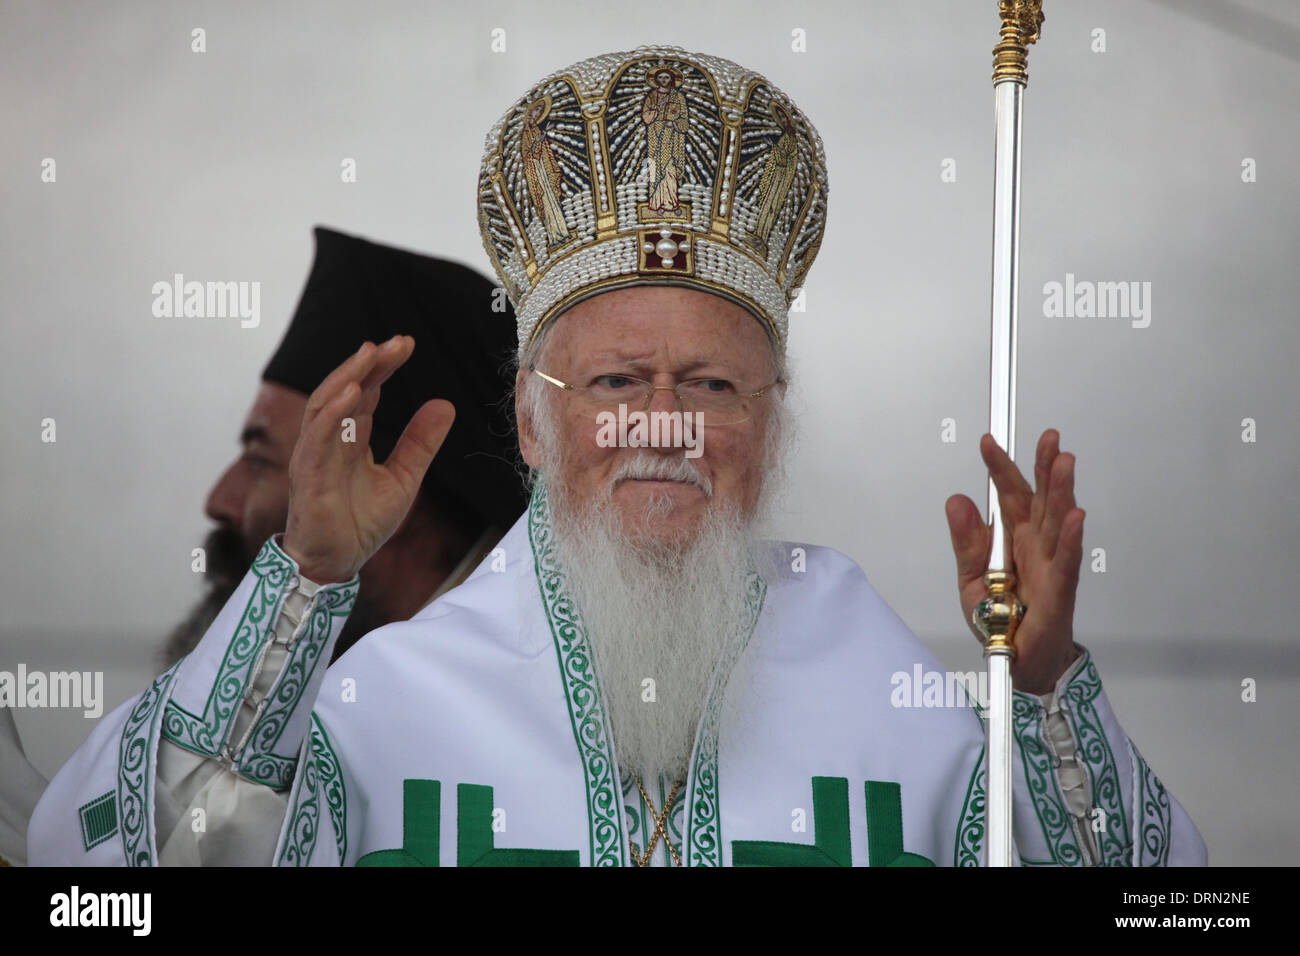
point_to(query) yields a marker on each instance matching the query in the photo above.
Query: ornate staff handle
(1022, 22)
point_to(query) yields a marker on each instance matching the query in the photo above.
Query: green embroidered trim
(331, 784)
(970, 826)
(136, 771)
(186, 730)
(421, 832)
(272, 770)
(1115, 843)
(330, 606)
(299, 840)
(704, 826)
(1040, 776)
(98, 820)
(634, 810)
(1155, 816)
(320, 774)
(590, 731)
(206, 734)
(704, 833)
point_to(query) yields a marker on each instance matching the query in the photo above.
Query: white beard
(660, 621)
(655, 612)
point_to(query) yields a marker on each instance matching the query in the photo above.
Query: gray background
(216, 165)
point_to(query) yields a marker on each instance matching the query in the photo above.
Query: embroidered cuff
(221, 675)
(1071, 776)
(1045, 833)
(311, 618)
(1099, 738)
(1054, 782)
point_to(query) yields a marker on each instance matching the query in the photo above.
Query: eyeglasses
(717, 399)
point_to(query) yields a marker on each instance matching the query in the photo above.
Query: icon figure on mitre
(665, 115)
(778, 175)
(542, 170)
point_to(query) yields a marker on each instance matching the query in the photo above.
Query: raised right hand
(342, 505)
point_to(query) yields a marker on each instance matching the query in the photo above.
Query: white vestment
(474, 735)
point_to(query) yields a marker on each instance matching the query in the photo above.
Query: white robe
(474, 735)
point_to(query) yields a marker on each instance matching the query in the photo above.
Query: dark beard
(363, 619)
(226, 566)
(185, 636)
(227, 558)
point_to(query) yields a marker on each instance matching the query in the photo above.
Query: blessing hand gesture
(343, 505)
(1045, 532)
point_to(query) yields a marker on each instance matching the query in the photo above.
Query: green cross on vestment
(421, 818)
(831, 845)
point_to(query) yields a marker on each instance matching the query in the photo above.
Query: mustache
(650, 467)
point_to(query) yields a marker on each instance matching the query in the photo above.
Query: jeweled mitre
(654, 166)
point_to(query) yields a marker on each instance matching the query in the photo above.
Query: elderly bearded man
(635, 678)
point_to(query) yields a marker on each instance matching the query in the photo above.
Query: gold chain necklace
(661, 820)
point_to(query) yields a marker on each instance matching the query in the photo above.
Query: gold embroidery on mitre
(542, 172)
(778, 175)
(666, 117)
(656, 165)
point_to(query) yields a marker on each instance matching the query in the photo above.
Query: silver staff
(997, 615)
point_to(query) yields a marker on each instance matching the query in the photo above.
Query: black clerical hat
(360, 290)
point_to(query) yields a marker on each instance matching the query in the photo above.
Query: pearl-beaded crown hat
(655, 166)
